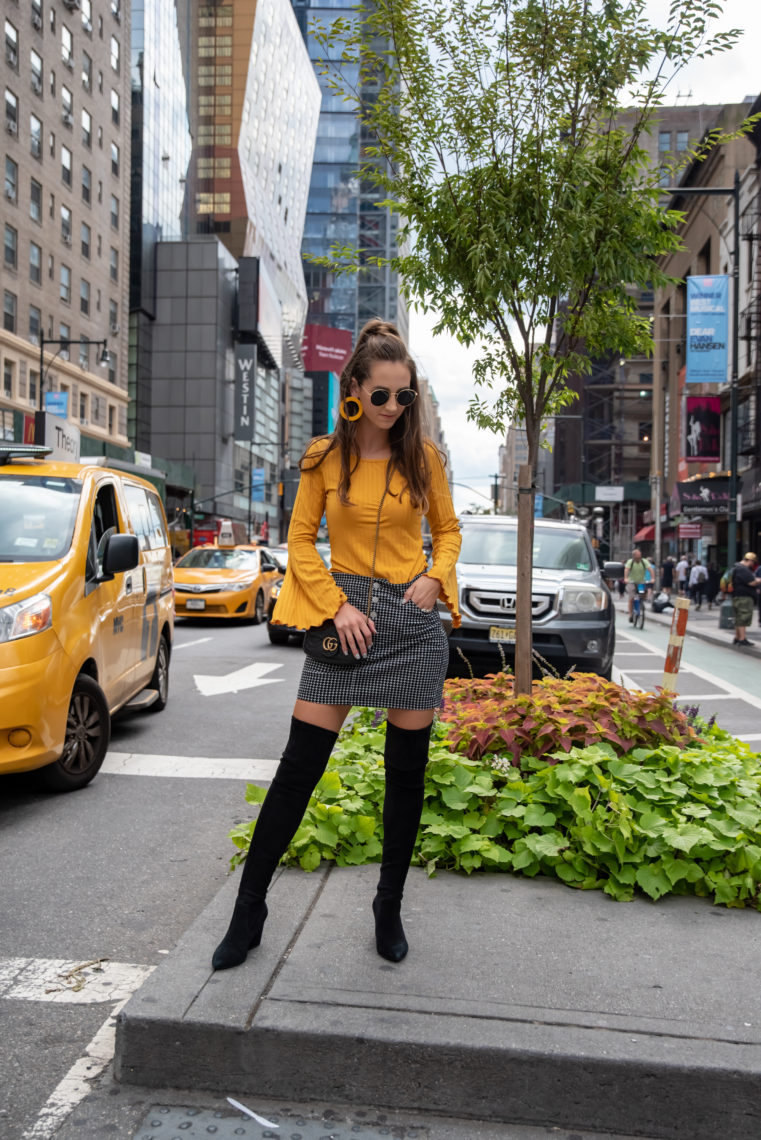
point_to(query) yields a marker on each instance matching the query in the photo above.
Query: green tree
(528, 217)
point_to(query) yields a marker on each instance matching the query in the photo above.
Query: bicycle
(638, 605)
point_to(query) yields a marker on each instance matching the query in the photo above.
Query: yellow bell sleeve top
(309, 595)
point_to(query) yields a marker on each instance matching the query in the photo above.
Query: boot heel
(243, 934)
(390, 941)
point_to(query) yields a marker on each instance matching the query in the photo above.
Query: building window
(8, 370)
(84, 354)
(85, 240)
(682, 140)
(212, 203)
(11, 247)
(51, 144)
(113, 317)
(115, 107)
(66, 284)
(35, 136)
(112, 367)
(67, 106)
(115, 54)
(86, 185)
(67, 47)
(664, 141)
(66, 165)
(82, 402)
(35, 324)
(84, 297)
(221, 134)
(32, 396)
(87, 129)
(114, 212)
(115, 159)
(111, 419)
(35, 263)
(114, 264)
(86, 7)
(35, 61)
(86, 72)
(66, 225)
(11, 180)
(11, 112)
(664, 176)
(64, 332)
(35, 201)
(11, 45)
(9, 311)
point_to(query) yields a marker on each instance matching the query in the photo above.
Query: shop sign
(705, 496)
(245, 371)
(689, 530)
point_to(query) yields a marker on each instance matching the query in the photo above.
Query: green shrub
(681, 818)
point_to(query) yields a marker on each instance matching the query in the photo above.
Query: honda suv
(573, 621)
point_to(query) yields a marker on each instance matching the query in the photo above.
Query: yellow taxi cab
(225, 580)
(86, 613)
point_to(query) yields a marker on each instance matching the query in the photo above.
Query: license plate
(499, 633)
(195, 604)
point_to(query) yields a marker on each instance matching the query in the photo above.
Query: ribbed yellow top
(309, 594)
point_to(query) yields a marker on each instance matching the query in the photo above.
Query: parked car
(281, 634)
(86, 615)
(225, 582)
(573, 620)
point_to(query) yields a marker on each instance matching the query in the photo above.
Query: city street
(121, 869)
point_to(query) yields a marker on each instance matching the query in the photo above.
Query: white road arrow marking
(246, 678)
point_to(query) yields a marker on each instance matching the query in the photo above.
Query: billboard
(325, 349)
(702, 429)
(707, 329)
(245, 374)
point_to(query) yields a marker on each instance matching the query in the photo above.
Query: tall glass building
(161, 148)
(342, 209)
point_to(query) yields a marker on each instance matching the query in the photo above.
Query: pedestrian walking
(744, 586)
(712, 585)
(636, 571)
(374, 478)
(682, 571)
(667, 575)
(697, 582)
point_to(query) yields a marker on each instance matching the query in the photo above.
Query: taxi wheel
(277, 636)
(259, 609)
(88, 731)
(160, 679)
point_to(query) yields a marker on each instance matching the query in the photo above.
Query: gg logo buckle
(330, 644)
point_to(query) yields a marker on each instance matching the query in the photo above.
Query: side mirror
(267, 565)
(122, 553)
(613, 570)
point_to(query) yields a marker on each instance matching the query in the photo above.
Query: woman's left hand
(423, 592)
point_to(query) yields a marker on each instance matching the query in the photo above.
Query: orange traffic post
(676, 641)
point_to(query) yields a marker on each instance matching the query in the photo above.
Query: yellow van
(86, 610)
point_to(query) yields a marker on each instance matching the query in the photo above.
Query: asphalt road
(119, 870)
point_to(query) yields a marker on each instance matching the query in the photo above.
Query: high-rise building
(161, 149)
(343, 208)
(65, 213)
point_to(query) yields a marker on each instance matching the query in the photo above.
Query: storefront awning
(647, 534)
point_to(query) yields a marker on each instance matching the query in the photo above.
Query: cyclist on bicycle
(636, 573)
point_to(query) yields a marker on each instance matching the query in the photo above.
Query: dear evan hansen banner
(707, 329)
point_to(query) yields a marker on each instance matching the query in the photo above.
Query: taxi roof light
(9, 451)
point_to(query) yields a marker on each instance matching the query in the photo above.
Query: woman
(374, 478)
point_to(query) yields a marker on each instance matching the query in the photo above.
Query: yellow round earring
(343, 412)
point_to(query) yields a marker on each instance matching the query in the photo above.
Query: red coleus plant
(484, 716)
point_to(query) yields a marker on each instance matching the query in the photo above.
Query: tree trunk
(523, 639)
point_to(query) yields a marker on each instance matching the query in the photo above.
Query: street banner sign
(707, 329)
(703, 429)
(57, 403)
(257, 485)
(245, 373)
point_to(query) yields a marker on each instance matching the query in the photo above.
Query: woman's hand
(423, 592)
(354, 630)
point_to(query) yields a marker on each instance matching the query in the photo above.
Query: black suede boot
(406, 756)
(303, 763)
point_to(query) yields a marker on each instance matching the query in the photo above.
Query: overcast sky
(727, 78)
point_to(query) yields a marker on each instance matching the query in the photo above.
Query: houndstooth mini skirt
(406, 664)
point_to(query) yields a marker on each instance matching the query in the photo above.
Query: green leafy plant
(665, 818)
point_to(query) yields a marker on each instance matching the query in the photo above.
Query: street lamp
(66, 342)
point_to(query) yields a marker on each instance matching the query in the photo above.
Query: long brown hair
(379, 341)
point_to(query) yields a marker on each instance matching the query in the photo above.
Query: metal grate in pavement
(170, 1123)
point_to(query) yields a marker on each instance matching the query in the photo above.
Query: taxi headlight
(582, 600)
(237, 585)
(22, 619)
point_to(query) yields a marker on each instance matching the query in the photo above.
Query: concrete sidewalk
(702, 623)
(520, 1001)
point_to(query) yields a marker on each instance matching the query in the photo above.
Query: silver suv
(573, 619)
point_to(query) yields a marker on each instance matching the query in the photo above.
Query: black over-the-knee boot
(303, 763)
(406, 756)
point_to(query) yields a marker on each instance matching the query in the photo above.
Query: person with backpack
(636, 571)
(697, 582)
(744, 584)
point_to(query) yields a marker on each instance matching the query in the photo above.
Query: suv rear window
(498, 546)
(37, 517)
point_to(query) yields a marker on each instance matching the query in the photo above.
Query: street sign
(609, 494)
(690, 530)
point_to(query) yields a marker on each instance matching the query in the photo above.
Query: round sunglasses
(404, 397)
